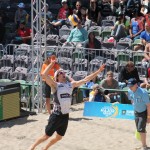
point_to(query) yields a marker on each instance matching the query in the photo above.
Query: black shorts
(58, 123)
(46, 90)
(140, 121)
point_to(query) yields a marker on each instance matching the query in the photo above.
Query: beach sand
(82, 133)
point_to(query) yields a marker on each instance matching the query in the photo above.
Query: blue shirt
(145, 35)
(78, 35)
(140, 99)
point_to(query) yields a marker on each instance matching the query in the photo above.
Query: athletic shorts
(58, 123)
(140, 121)
(46, 90)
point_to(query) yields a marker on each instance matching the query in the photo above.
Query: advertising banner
(108, 110)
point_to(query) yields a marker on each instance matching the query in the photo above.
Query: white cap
(56, 73)
(21, 5)
(64, 1)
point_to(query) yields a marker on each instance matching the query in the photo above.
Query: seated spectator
(78, 34)
(23, 34)
(145, 40)
(146, 83)
(94, 12)
(133, 6)
(21, 14)
(136, 26)
(63, 14)
(96, 95)
(77, 10)
(127, 72)
(145, 7)
(89, 86)
(92, 43)
(49, 15)
(110, 83)
(121, 28)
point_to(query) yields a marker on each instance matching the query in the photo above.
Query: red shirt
(64, 13)
(147, 18)
(24, 33)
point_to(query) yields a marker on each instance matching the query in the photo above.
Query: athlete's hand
(102, 68)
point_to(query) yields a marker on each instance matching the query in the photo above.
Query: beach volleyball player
(62, 91)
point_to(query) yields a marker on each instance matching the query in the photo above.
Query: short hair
(109, 73)
(129, 63)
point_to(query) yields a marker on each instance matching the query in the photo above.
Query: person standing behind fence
(62, 90)
(141, 102)
(47, 88)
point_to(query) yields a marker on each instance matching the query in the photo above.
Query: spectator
(147, 18)
(78, 34)
(133, 6)
(110, 83)
(146, 83)
(90, 44)
(21, 14)
(136, 27)
(49, 15)
(129, 71)
(47, 88)
(89, 86)
(77, 10)
(94, 12)
(23, 34)
(63, 14)
(145, 7)
(96, 94)
(145, 40)
(121, 28)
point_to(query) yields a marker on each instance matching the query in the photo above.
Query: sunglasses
(78, 5)
(93, 2)
(64, 3)
(61, 73)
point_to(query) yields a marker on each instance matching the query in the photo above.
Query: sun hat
(64, 1)
(21, 5)
(131, 82)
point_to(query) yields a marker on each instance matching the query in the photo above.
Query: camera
(103, 91)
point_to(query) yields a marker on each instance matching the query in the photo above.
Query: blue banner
(108, 110)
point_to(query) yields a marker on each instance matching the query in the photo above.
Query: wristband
(148, 117)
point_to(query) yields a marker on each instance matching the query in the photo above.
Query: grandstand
(16, 61)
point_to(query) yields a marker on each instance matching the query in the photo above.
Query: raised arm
(47, 78)
(88, 78)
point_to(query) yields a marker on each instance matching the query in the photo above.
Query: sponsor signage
(108, 110)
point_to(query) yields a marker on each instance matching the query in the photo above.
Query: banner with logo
(108, 110)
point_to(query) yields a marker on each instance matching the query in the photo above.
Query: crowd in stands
(95, 25)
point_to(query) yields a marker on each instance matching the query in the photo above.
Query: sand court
(82, 134)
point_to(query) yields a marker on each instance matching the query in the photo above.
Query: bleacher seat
(65, 62)
(20, 73)
(64, 30)
(52, 40)
(80, 75)
(5, 72)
